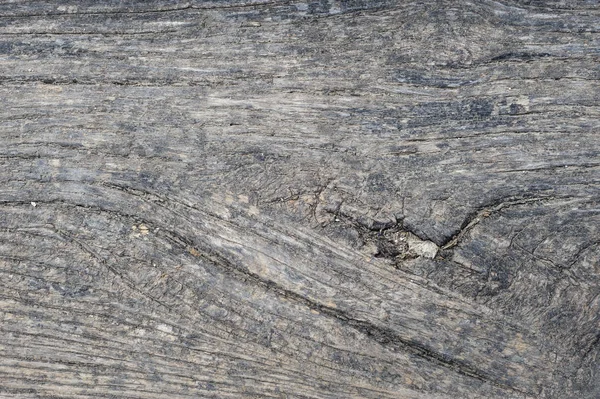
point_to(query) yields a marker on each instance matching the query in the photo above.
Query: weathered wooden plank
(310, 200)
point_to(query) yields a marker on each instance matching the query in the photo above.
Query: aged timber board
(337, 199)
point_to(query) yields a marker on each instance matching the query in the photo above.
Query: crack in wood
(477, 216)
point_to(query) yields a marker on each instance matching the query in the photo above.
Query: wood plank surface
(281, 199)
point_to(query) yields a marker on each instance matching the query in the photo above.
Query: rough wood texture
(338, 199)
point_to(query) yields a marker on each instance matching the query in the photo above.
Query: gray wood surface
(277, 199)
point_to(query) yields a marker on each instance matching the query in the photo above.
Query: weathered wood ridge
(338, 199)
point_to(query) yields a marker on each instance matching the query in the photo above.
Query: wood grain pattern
(337, 199)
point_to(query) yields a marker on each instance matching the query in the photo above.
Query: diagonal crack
(477, 216)
(385, 336)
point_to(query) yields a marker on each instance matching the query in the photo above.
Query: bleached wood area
(280, 199)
